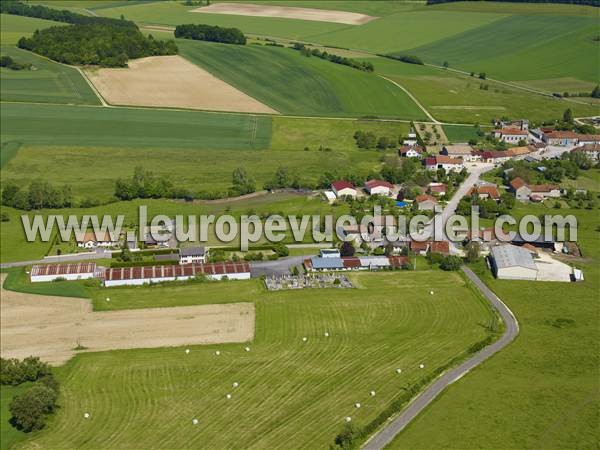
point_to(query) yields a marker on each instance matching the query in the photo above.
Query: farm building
(560, 138)
(157, 274)
(484, 192)
(378, 187)
(510, 135)
(510, 262)
(343, 188)
(71, 272)
(437, 188)
(411, 151)
(319, 264)
(533, 192)
(462, 151)
(426, 202)
(93, 239)
(592, 151)
(192, 255)
(329, 253)
(444, 162)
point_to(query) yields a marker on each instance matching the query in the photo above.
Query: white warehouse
(510, 262)
(71, 272)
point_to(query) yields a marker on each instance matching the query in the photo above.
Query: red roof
(439, 187)
(562, 135)
(425, 197)
(513, 131)
(378, 183)
(490, 191)
(186, 270)
(543, 187)
(399, 261)
(62, 269)
(442, 247)
(517, 183)
(351, 262)
(430, 161)
(416, 246)
(342, 184)
(443, 159)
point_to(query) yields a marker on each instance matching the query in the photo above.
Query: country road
(384, 436)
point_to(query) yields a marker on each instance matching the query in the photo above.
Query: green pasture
(290, 393)
(48, 82)
(13, 28)
(453, 97)
(8, 434)
(294, 84)
(203, 169)
(456, 133)
(132, 127)
(541, 391)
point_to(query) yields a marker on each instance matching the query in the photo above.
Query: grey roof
(192, 251)
(459, 149)
(327, 263)
(167, 257)
(506, 256)
(374, 261)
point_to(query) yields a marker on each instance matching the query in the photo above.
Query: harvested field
(173, 82)
(286, 12)
(51, 327)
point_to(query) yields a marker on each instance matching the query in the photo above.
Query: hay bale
(195, 421)
(327, 334)
(218, 352)
(372, 393)
(187, 351)
(348, 419)
(421, 366)
(357, 405)
(247, 349)
(304, 339)
(235, 384)
(398, 370)
(228, 396)
(86, 415)
(430, 292)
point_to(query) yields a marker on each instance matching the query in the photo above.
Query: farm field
(294, 84)
(544, 392)
(311, 386)
(453, 97)
(460, 134)
(204, 169)
(13, 28)
(132, 127)
(171, 81)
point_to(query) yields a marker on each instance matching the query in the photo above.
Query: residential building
(437, 188)
(494, 156)
(592, 151)
(462, 151)
(533, 192)
(510, 135)
(588, 139)
(520, 189)
(192, 255)
(411, 151)
(52, 272)
(92, 239)
(519, 152)
(485, 192)
(562, 138)
(343, 188)
(379, 187)
(444, 162)
(426, 202)
(510, 262)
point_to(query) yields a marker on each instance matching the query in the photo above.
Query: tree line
(38, 195)
(106, 45)
(410, 59)
(203, 32)
(9, 63)
(355, 64)
(29, 409)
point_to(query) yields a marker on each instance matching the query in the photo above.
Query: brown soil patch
(51, 327)
(172, 82)
(286, 12)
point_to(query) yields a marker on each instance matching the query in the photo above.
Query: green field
(203, 169)
(294, 84)
(541, 391)
(132, 127)
(291, 393)
(13, 28)
(8, 434)
(456, 133)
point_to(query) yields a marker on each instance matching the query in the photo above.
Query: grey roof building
(510, 262)
(329, 263)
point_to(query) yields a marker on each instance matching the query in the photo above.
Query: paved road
(59, 259)
(386, 435)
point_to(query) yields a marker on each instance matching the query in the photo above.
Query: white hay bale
(430, 292)
(228, 396)
(357, 405)
(348, 419)
(372, 393)
(398, 370)
(217, 352)
(304, 339)
(187, 351)
(195, 421)
(235, 384)
(247, 349)
(86, 415)
(327, 334)
(421, 366)
(108, 299)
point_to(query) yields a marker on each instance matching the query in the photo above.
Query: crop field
(542, 390)
(453, 97)
(132, 127)
(289, 391)
(201, 169)
(13, 28)
(294, 84)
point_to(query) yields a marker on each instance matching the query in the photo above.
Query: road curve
(384, 436)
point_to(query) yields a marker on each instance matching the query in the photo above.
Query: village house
(444, 162)
(533, 192)
(192, 255)
(462, 151)
(562, 138)
(437, 188)
(522, 124)
(510, 135)
(378, 187)
(411, 151)
(494, 157)
(519, 152)
(426, 202)
(485, 192)
(93, 240)
(592, 151)
(588, 139)
(520, 189)
(343, 188)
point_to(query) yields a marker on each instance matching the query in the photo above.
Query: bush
(450, 263)
(15, 372)
(29, 409)
(410, 59)
(281, 250)
(202, 32)
(346, 439)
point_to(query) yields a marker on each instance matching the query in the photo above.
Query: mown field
(541, 391)
(294, 84)
(291, 393)
(453, 97)
(205, 168)
(13, 28)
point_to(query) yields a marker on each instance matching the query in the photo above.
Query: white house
(71, 272)
(444, 162)
(378, 187)
(330, 253)
(343, 188)
(510, 135)
(411, 151)
(426, 202)
(191, 255)
(510, 262)
(92, 240)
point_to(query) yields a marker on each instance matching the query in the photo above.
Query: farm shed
(51, 272)
(378, 187)
(157, 274)
(510, 262)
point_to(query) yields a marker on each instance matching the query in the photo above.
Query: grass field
(291, 393)
(202, 169)
(294, 84)
(542, 391)
(131, 127)
(460, 134)
(8, 434)
(453, 97)
(13, 28)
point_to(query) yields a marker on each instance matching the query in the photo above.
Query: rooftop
(506, 256)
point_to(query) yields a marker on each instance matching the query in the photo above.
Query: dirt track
(286, 12)
(51, 327)
(172, 82)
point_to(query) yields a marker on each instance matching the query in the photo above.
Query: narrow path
(385, 436)
(413, 98)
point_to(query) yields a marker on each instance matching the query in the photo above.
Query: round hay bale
(228, 396)
(235, 384)
(187, 351)
(327, 334)
(348, 419)
(195, 421)
(108, 299)
(247, 349)
(398, 370)
(357, 405)
(218, 352)
(304, 339)
(86, 415)
(372, 393)
(430, 292)
(421, 366)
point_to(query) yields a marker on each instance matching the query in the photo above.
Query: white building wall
(69, 277)
(139, 282)
(380, 190)
(516, 273)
